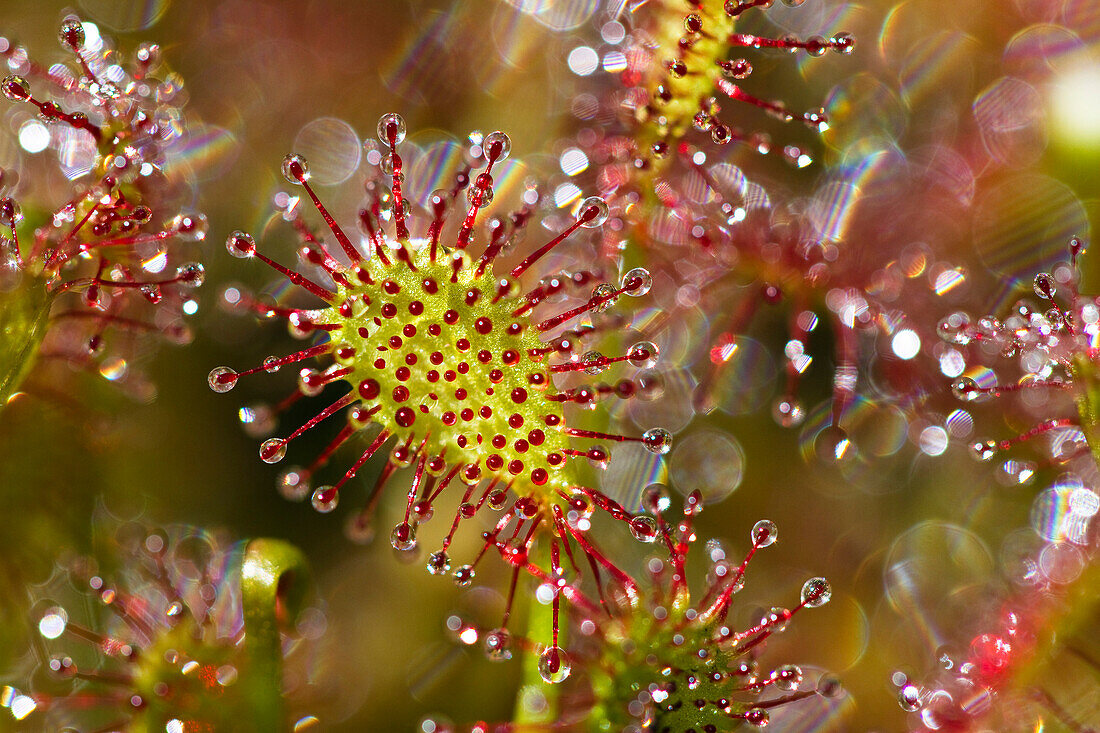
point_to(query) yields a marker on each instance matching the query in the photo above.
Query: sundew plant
(664, 366)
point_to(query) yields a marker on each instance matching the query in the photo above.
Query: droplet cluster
(444, 355)
(654, 660)
(1052, 343)
(95, 265)
(682, 60)
(160, 646)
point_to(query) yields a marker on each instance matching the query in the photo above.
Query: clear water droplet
(491, 143)
(439, 563)
(637, 282)
(593, 212)
(222, 379)
(403, 537)
(295, 169)
(391, 123)
(272, 450)
(498, 645)
(240, 244)
(554, 665)
(324, 499)
(816, 592)
(657, 440)
(644, 354)
(644, 528)
(764, 533)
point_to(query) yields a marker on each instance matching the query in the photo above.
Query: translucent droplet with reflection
(657, 440)
(644, 528)
(273, 450)
(403, 537)
(637, 282)
(593, 212)
(498, 141)
(394, 124)
(816, 592)
(644, 354)
(787, 677)
(222, 379)
(295, 169)
(324, 499)
(464, 575)
(438, 563)
(764, 533)
(909, 698)
(554, 665)
(498, 645)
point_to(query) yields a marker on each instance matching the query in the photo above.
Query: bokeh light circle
(332, 148)
(932, 573)
(1023, 224)
(707, 461)
(125, 16)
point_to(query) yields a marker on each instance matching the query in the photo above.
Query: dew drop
(491, 143)
(498, 645)
(657, 440)
(191, 274)
(966, 389)
(764, 533)
(10, 213)
(222, 379)
(954, 328)
(554, 666)
(816, 592)
(592, 359)
(394, 123)
(403, 537)
(828, 685)
(439, 563)
(482, 194)
(909, 698)
(324, 499)
(16, 89)
(788, 677)
(272, 450)
(240, 244)
(637, 282)
(295, 169)
(464, 575)
(603, 292)
(71, 34)
(644, 354)
(844, 43)
(644, 528)
(757, 717)
(191, 227)
(1044, 286)
(593, 212)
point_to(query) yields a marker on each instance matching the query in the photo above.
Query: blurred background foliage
(260, 71)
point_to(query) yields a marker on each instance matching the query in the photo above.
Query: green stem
(274, 581)
(24, 315)
(533, 689)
